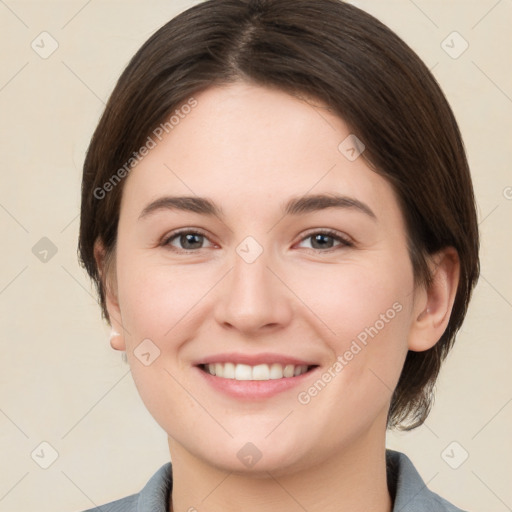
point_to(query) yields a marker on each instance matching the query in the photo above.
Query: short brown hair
(365, 73)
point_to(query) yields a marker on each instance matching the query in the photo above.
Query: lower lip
(253, 389)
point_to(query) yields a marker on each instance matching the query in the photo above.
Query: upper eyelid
(168, 237)
(328, 231)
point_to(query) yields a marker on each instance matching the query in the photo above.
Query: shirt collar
(405, 485)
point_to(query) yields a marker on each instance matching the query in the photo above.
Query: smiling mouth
(260, 372)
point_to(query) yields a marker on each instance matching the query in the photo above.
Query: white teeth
(276, 371)
(243, 372)
(258, 372)
(229, 371)
(288, 370)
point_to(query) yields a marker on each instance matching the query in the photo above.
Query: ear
(107, 275)
(433, 305)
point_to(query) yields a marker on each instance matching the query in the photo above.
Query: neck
(354, 481)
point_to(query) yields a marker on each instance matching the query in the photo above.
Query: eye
(188, 240)
(324, 240)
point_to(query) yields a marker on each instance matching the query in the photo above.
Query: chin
(256, 458)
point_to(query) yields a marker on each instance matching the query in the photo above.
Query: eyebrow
(294, 206)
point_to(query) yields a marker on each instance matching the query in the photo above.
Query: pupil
(319, 238)
(189, 239)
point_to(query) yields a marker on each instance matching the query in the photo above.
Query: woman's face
(271, 285)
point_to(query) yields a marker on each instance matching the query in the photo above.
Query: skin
(249, 149)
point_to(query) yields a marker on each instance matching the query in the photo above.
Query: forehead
(247, 147)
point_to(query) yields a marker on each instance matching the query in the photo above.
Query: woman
(278, 214)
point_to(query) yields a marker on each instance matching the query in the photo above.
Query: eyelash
(344, 241)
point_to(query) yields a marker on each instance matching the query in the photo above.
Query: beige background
(61, 383)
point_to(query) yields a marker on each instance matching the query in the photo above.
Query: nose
(253, 298)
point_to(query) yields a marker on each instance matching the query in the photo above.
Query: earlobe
(434, 304)
(117, 340)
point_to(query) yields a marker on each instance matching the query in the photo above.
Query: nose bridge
(250, 270)
(253, 297)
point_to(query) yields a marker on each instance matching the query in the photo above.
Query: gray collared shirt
(404, 482)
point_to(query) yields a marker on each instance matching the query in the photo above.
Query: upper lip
(252, 359)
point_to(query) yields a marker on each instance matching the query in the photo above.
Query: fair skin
(304, 299)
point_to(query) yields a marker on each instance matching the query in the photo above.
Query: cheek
(160, 303)
(157, 299)
(358, 301)
(367, 310)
